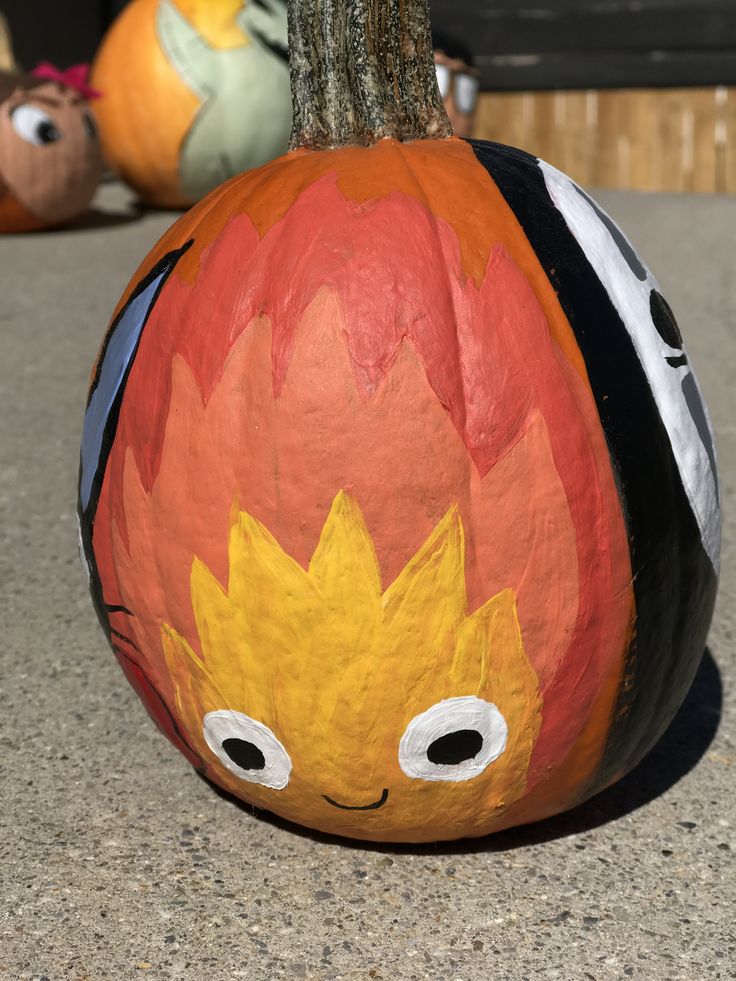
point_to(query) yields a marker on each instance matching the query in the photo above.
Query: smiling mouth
(360, 807)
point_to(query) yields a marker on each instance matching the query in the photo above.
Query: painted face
(50, 159)
(291, 706)
(458, 85)
(651, 325)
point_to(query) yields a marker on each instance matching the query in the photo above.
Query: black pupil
(664, 320)
(455, 747)
(48, 133)
(244, 754)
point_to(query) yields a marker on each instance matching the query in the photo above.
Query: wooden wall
(619, 93)
(644, 139)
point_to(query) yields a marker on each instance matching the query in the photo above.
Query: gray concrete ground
(118, 862)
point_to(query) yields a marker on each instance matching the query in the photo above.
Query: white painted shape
(227, 724)
(27, 121)
(451, 715)
(630, 297)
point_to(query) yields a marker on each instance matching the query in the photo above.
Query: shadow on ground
(678, 751)
(95, 219)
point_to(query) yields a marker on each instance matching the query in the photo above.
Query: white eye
(443, 79)
(466, 92)
(454, 740)
(656, 339)
(34, 125)
(247, 748)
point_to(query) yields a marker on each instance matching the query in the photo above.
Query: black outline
(119, 608)
(359, 807)
(121, 636)
(679, 362)
(87, 516)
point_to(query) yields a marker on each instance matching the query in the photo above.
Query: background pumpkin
(50, 160)
(194, 92)
(384, 494)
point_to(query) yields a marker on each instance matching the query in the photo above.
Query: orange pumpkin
(368, 517)
(194, 91)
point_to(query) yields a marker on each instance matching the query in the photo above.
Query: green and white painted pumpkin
(193, 92)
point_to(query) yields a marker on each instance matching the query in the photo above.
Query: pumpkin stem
(361, 71)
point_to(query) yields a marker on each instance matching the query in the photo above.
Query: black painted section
(244, 754)
(664, 320)
(674, 582)
(117, 608)
(455, 747)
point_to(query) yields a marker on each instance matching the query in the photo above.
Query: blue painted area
(115, 363)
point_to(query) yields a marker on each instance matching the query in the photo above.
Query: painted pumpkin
(50, 159)
(397, 493)
(194, 92)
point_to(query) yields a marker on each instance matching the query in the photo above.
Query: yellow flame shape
(337, 668)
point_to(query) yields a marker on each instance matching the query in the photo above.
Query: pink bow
(74, 77)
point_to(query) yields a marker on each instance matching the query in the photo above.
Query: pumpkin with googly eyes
(50, 159)
(397, 495)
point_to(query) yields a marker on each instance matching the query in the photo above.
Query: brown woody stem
(363, 70)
